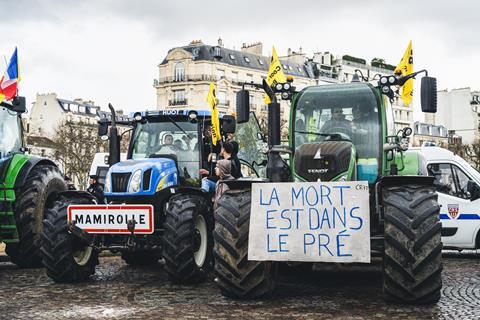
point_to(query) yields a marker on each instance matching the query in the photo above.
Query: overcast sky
(108, 51)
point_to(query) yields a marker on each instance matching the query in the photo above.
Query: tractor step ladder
(8, 227)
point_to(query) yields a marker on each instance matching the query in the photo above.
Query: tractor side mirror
(102, 127)
(19, 104)
(429, 94)
(228, 124)
(243, 106)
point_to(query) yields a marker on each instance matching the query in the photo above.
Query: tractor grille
(120, 181)
(332, 159)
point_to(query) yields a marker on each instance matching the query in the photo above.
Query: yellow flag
(405, 67)
(2, 97)
(212, 101)
(275, 73)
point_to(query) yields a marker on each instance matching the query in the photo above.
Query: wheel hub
(200, 241)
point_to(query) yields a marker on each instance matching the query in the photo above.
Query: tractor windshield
(346, 111)
(10, 132)
(154, 139)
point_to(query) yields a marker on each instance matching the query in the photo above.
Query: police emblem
(453, 210)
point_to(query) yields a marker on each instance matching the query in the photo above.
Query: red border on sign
(114, 207)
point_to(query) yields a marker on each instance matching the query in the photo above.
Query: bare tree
(471, 153)
(75, 145)
(263, 122)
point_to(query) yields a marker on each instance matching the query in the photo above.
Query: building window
(247, 60)
(222, 98)
(299, 69)
(290, 68)
(235, 76)
(179, 97)
(261, 62)
(220, 74)
(232, 56)
(179, 72)
(285, 67)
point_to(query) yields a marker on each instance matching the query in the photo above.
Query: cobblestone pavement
(121, 291)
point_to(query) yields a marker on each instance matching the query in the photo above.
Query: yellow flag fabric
(405, 67)
(275, 72)
(212, 101)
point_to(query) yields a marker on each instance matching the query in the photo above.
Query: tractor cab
(11, 128)
(167, 149)
(335, 127)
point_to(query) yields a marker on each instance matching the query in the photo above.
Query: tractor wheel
(42, 183)
(187, 242)
(237, 276)
(65, 257)
(412, 265)
(140, 258)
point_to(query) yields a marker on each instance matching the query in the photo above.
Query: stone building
(186, 72)
(48, 112)
(429, 134)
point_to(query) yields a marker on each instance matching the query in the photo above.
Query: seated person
(337, 123)
(179, 144)
(167, 146)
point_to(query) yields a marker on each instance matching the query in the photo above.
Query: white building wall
(455, 112)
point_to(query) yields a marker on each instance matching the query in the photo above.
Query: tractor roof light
(289, 78)
(383, 80)
(279, 87)
(285, 95)
(391, 80)
(287, 86)
(385, 89)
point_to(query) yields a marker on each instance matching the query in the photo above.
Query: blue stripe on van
(462, 216)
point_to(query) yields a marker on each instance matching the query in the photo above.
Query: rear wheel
(42, 183)
(187, 242)
(237, 276)
(413, 247)
(66, 258)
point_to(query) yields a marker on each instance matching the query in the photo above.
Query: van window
(449, 179)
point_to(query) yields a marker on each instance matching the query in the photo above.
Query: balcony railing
(187, 78)
(183, 102)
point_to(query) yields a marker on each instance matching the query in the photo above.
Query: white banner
(310, 221)
(112, 218)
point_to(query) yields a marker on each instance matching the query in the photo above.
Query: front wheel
(412, 264)
(237, 276)
(65, 257)
(187, 242)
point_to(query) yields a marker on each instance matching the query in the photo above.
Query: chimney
(255, 48)
(289, 52)
(220, 42)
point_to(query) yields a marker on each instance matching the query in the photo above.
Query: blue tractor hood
(140, 177)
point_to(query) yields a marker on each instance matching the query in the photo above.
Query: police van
(458, 188)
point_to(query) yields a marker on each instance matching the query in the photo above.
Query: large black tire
(237, 276)
(64, 256)
(41, 185)
(412, 264)
(140, 258)
(187, 241)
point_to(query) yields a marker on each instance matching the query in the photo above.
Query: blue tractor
(155, 205)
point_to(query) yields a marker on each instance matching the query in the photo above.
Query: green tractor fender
(411, 162)
(28, 165)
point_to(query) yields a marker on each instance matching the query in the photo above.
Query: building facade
(425, 134)
(186, 73)
(459, 112)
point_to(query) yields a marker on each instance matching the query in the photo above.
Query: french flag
(9, 81)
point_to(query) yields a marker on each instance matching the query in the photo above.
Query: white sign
(112, 218)
(310, 221)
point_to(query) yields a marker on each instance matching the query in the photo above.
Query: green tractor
(27, 185)
(341, 132)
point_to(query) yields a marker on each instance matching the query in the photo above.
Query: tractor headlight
(107, 183)
(135, 182)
